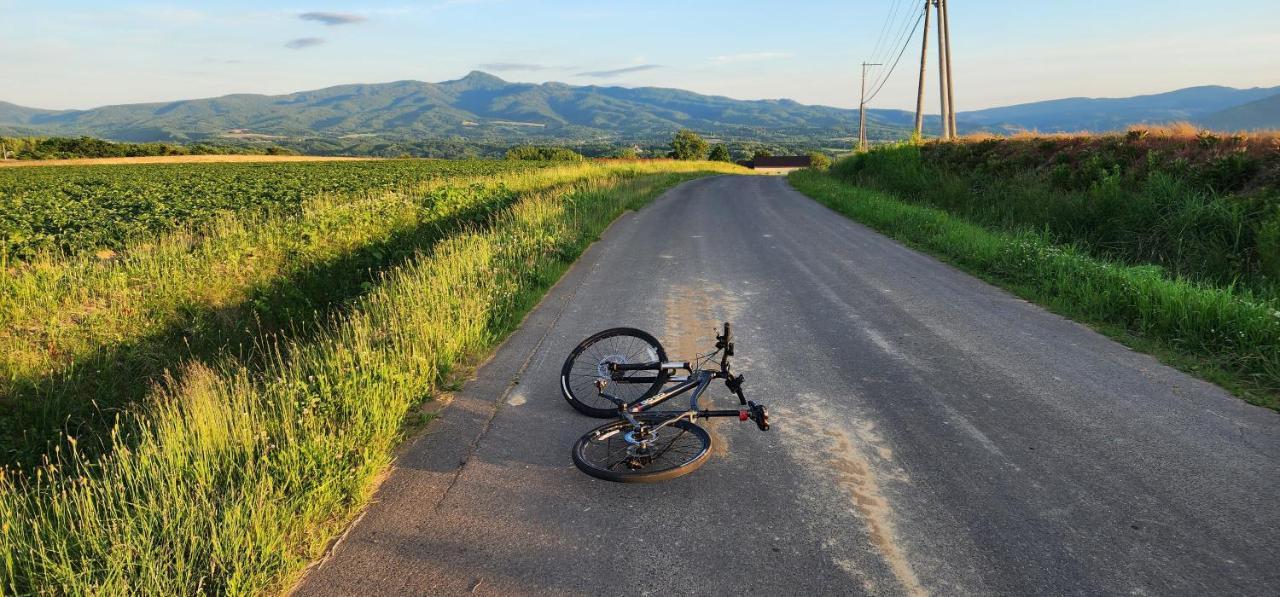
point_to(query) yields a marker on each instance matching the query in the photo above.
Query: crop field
(81, 208)
(202, 409)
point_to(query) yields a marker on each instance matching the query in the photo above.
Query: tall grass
(1228, 335)
(1207, 208)
(235, 477)
(83, 339)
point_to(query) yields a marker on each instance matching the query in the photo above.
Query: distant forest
(53, 148)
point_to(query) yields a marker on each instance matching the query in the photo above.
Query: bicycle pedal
(760, 415)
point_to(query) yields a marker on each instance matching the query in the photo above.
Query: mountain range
(1210, 106)
(483, 108)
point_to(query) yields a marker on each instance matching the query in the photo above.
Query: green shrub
(819, 161)
(688, 145)
(543, 154)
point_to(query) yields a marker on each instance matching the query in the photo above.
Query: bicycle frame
(697, 381)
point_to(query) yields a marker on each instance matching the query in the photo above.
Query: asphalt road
(932, 435)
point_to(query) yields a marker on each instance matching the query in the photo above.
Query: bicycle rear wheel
(613, 452)
(590, 361)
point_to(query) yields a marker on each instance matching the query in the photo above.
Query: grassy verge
(1230, 337)
(1205, 208)
(82, 339)
(236, 477)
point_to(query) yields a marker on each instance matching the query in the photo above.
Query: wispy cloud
(303, 42)
(513, 66)
(749, 57)
(333, 18)
(617, 72)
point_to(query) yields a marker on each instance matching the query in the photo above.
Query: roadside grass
(1205, 207)
(1227, 335)
(83, 339)
(234, 477)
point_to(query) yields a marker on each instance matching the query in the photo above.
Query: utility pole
(951, 98)
(942, 73)
(862, 108)
(924, 61)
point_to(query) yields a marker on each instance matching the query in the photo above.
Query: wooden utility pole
(951, 98)
(942, 72)
(924, 62)
(862, 108)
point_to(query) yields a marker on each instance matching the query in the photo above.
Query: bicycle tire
(583, 367)
(614, 466)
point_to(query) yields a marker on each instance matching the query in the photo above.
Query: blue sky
(78, 54)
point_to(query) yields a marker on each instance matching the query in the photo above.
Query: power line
(885, 28)
(906, 33)
(898, 58)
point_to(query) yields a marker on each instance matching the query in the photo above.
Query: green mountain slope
(1109, 114)
(1263, 114)
(478, 107)
(481, 108)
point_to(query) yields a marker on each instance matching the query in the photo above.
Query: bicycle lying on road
(622, 372)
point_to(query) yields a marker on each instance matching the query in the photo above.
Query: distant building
(781, 164)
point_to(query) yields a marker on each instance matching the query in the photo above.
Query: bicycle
(645, 445)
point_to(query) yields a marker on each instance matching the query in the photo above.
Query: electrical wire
(885, 28)
(906, 30)
(910, 37)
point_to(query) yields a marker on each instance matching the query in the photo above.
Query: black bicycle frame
(696, 381)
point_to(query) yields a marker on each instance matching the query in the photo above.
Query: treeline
(688, 143)
(56, 148)
(543, 154)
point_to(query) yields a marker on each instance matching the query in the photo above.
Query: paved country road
(932, 435)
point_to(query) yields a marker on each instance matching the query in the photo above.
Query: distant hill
(1108, 114)
(483, 109)
(478, 107)
(1253, 116)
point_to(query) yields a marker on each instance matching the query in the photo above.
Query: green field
(80, 208)
(204, 410)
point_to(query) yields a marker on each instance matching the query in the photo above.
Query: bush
(819, 161)
(720, 153)
(687, 145)
(543, 154)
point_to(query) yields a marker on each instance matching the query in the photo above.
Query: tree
(544, 154)
(687, 145)
(762, 153)
(720, 153)
(627, 153)
(819, 161)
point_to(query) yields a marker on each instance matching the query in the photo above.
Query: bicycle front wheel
(616, 452)
(590, 362)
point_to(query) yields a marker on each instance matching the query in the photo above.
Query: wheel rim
(592, 364)
(616, 449)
